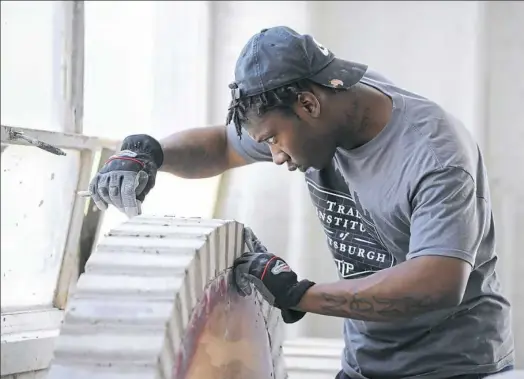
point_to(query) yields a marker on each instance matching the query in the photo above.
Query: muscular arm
(199, 153)
(449, 219)
(407, 290)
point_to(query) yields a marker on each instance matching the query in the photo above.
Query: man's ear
(308, 104)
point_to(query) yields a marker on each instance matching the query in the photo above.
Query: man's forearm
(196, 153)
(400, 292)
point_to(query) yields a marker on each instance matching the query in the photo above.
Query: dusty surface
(229, 339)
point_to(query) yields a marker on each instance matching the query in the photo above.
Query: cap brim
(340, 73)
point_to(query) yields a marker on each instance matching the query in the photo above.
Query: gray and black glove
(271, 276)
(127, 177)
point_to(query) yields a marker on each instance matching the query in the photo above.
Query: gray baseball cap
(278, 56)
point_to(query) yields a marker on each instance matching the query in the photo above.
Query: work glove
(271, 276)
(128, 176)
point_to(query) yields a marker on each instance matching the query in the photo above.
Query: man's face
(298, 142)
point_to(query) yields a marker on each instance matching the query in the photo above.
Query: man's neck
(371, 110)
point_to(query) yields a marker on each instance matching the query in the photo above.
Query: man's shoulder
(429, 136)
(417, 106)
(444, 137)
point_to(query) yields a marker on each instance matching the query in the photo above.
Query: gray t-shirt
(418, 188)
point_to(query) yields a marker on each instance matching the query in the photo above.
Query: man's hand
(271, 276)
(128, 176)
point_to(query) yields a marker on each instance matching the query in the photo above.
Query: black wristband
(145, 144)
(290, 316)
(298, 291)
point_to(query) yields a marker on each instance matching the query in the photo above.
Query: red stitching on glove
(127, 159)
(265, 268)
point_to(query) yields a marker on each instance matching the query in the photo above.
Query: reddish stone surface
(227, 338)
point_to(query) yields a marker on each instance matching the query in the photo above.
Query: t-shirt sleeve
(247, 147)
(448, 217)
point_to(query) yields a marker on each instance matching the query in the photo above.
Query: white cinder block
(128, 263)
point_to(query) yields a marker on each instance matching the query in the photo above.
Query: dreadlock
(280, 98)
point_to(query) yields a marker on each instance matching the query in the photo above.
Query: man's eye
(271, 140)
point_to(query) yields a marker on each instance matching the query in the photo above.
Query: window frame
(28, 335)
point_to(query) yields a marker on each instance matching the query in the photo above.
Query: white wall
(427, 47)
(504, 131)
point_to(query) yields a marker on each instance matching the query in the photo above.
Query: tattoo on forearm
(380, 308)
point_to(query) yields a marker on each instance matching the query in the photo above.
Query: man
(401, 191)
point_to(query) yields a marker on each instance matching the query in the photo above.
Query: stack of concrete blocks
(128, 315)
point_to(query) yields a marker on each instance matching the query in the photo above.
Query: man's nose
(279, 157)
